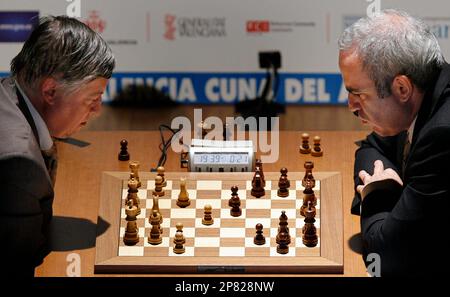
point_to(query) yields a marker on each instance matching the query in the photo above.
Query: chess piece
(258, 164)
(304, 147)
(179, 241)
(283, 190)
(131, 236)
(310, 178)
(160, 171)
(207, 218)
(283, 245)
(133, 194)
(259, 238)
(309, 166)
(257, 186)
(155, 237)
(156, 207)
(284, 172)
(134, 167)
(183, 197)
(234, 193)
(235, 203)
(123, 154)
(158, 186)
(308, 196)
(283, 227)
(317, 150)
(179, 227)
(310, 238)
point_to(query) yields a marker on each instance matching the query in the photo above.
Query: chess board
(227, 245)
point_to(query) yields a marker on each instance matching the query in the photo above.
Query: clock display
(220, 158)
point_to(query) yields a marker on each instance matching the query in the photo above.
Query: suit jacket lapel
(26, 112)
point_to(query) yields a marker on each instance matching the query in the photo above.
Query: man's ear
(402, 88)
(48, 90)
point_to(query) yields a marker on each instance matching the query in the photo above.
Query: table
(77, 189)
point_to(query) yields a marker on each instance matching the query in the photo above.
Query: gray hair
(65, 49)
(393, 43)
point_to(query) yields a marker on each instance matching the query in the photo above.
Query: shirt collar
(411, 130)
(45, 140)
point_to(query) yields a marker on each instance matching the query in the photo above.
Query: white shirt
(45, 140)
(411, 130)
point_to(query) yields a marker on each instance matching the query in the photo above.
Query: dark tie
(51, 162)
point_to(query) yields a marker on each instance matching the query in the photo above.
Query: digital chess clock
(221, 156)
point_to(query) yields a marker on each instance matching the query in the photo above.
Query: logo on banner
(95, 22)
(193, 27)
(169, 21)
(258, 27)
(16, 26)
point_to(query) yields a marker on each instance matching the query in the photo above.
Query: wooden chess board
(227, 245)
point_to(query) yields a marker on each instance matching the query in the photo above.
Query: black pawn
(284, 172)
(310, 238)
(283, 247)
(235, 203)
(259, 238)
(283, 188)
(123, 154)
(234, 193)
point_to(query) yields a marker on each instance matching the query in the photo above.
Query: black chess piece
(234, 193)
(259, 237)
(284, 172)
(123, 154)
(283, 189)
(235, 203)
(283, 227)
(310, 238)
(257, 186)
(283, 245)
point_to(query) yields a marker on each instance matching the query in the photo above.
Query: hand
(379, 173)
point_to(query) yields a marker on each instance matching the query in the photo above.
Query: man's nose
(353, 104)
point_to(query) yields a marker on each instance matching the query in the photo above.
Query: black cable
(164, 145)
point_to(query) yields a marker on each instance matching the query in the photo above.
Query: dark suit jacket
(26, 190)
(408, 227)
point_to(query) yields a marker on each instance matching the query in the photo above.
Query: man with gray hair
(56, 84)
(398, 84)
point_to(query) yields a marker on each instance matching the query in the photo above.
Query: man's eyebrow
(351, 90)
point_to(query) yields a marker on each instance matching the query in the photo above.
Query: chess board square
(131, 250)
(299, 243)
(187, 232)
(225, 213)
(199, 224)
(207, 242)
(215, 203)
(164, 203)
(257, 251)
(165, 242)
(232, 232)
(258, 203)
(232, 242)
(209, 185)
(291, 253)
(182, 213)
(238, 222)
(249, 243)
(189, 252)
(257, 213)
(207, 232)
(276, 213)
(226, 194)
(274, 195)
(251, 223)
(283, 204)
(249, 185)
(231, 251)
(174, 194)
(274, 232)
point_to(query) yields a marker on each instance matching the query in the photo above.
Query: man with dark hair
(399, 84)
(55, 87)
